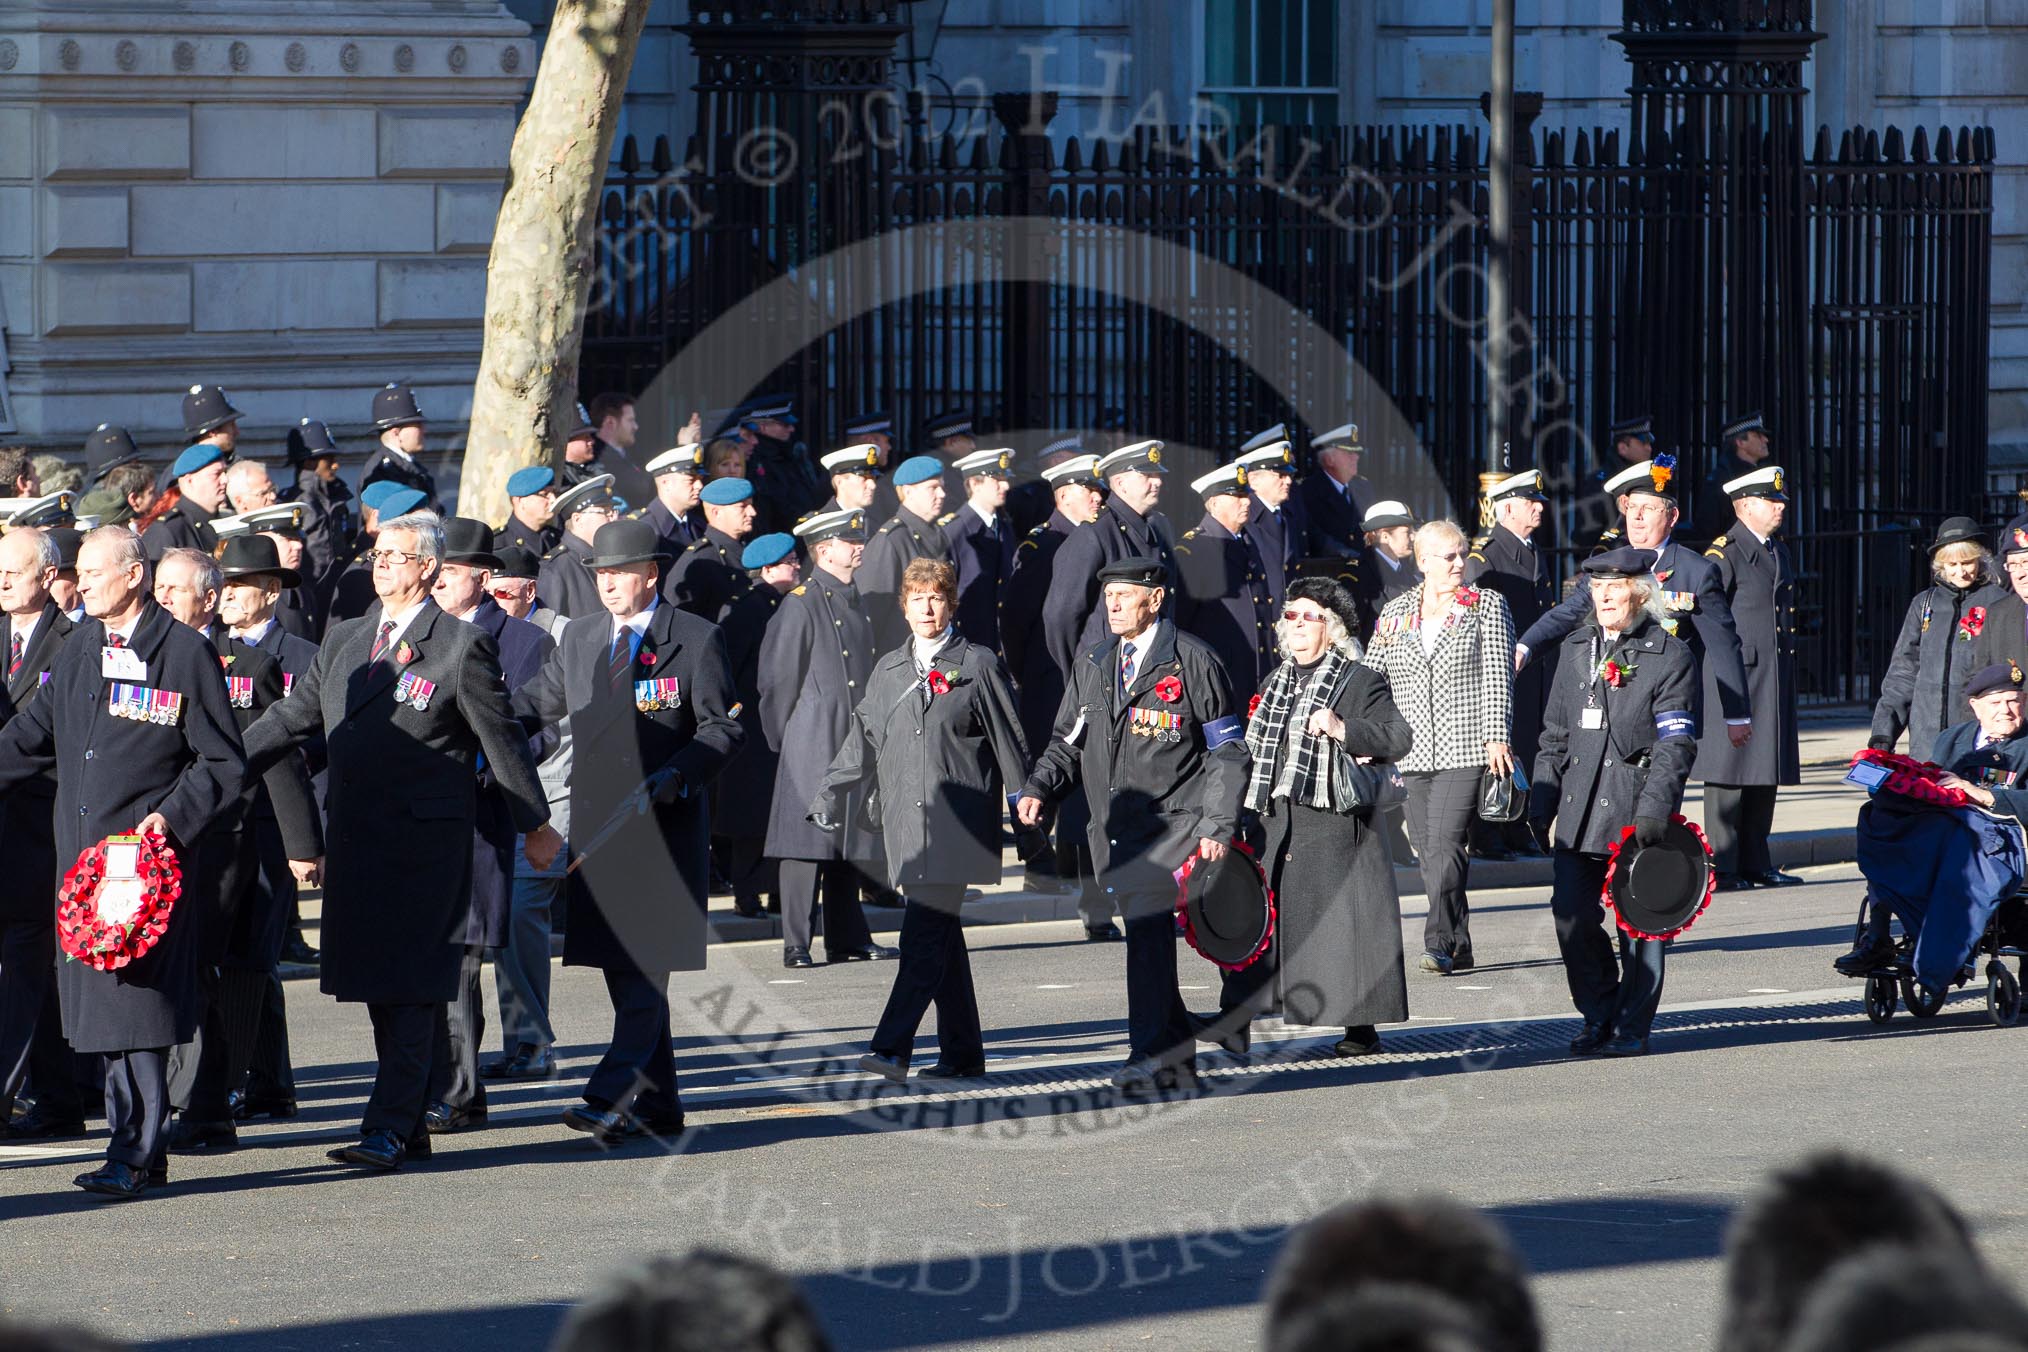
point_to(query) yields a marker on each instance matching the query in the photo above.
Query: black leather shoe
(1587, 1042)
(1733, 882)
(870, 953)
(601, 1124)
(891, 1068)
(119, 1181)
(1463, 962)
(202, 1138)
(940, 1071)
(440, 1118)
(381, 1150)
(1492, 854)
(1774, 877)
(747, 907)
(1624, 1044)
(1103, 934)
(1238, 1040)
(34, 1126)
(297, 949)
(1363, 1040)
(1437, 964)
(527, 1063)
(246, 1107)
(797, 957)
(418, 1146)
(1865, 958)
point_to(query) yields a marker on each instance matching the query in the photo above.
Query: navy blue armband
(1219, 731)
(1674, 723)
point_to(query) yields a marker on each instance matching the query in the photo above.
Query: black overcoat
(902, 540)
(1759, 588)
(814, 662)
(1335, 514)
(1502, 561)
(385, 463)
(1923, 691)
(565, 581)
(637, 901)
(743, 793)
(984, 558)
(184, 526)
(27, 814)
(1073, 614)
(402, 796)
(941, 764)
(110, 773)
(705, 577)
(1028, 660)
(1226, 601)
(523, 649)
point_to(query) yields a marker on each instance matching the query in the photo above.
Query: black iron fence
(1199, 288)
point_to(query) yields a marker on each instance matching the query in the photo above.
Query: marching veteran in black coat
(1618, 738)
(408, 699)
(1742, 775)
(814, 664)
(1227, 600)
(136, 724)
(650, 700)
(937, 735)
(1150, 727)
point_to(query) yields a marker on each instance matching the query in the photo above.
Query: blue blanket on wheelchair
(1944, 871)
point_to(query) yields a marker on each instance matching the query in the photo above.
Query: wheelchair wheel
(1880, 998)
(1923, 1002)
(2003, 994)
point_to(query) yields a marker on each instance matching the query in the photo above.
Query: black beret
(1988, 680)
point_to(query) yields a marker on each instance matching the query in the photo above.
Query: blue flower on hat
(726, 492)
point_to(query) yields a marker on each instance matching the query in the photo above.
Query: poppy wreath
(1238, 847)
(1605, 891)
(86, 936)
(1913, 779)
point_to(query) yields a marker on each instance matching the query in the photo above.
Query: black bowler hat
(618, 543)
(517, 562)
(1139, 571)
(1955, 530)
(255, 556)
(1655, 891)
(1227, 915)
(108, 448)
(469, 542)
(310, 439)
(206, 409)
(395, 406)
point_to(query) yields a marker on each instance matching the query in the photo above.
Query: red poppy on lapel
(938, 683)
(1169, 689)
(404, 654)
(645, 658)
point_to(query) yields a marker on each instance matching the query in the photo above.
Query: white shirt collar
(1758, 538)
(1142, 640)
(252, 637)
(924, 650)
(983, 514)
(401, 621)
(23, 628)
(637, 623)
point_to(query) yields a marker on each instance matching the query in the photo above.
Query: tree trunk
(540, 271)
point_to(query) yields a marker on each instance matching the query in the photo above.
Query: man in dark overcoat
(1741, 774)
(707, 575)
(199, 475)
(1128, 526)
(814, 663)
(911, 533)
(981, 539)
(741, 798)
(1226, 599)
(1618, 737)
(1150, 727)
(1506, 560)
(408, 699)
(32, 632)
(650, 700)
(1276, 521)
(565, 582)
(173, 774)
(1335, 499)
(457, 1093)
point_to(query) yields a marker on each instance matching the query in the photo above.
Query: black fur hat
(1381, 1317)
(1331, 594)
(1891, 1296)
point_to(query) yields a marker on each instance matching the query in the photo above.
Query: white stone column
(292, 199)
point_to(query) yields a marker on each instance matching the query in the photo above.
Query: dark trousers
(1619, 992)
(832, 883)
(1159, 1026)
(749, 870)
(137, 1106)
(1440, 810)
(1737, 821)
(404, 1038)
(460, 1029)
(935, 969)
(271, 1075)
(638, 1072)
(205, 1070)
(31, 1025)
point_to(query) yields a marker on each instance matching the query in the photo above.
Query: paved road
(1036, 1212)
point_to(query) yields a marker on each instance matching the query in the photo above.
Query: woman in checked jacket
(1448, 653)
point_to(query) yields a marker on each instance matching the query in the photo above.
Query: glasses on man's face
(393, 558)
(1302, 617)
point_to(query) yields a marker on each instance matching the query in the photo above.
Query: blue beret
(195, 458)
(376, 492)
(767, 551)
(402, 500)
(533, 479)
(725, 492)
(918, 469)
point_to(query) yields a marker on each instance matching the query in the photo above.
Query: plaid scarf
(1267, 732)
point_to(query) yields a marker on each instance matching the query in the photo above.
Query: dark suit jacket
(984, 558)
(403, 796)
(637, 902)
(705, 577)
(184, 526)
(1335, 516)
(27, 829)
(523, 650)
(1072, 618)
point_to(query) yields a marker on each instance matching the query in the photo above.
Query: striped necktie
(380, 643)
(14, 653)
(1126, 667)
(621, 660)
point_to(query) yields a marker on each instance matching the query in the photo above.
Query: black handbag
(1364, 788)
(1503, 798)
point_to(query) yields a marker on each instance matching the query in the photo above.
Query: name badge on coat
(121, 664)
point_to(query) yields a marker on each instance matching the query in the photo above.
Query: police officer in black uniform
(399, 421)
(1741, 775)
(566, 582)
(981, 538)
(1617, 741)
(1150, 726)
(1226, 600)
(210, 418)
(706, 576)
(1128, 526)
(911, 533)
(330, 520)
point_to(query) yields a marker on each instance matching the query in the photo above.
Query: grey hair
(1430, 532)
(127, 547)
(428, 529)
(1336, 635)
(209, 578)
(46, 555)
(242, 470)
(1649, 594)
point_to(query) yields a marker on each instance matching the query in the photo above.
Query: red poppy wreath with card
(115, 902)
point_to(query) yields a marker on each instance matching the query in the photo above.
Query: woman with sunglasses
(1336, 958)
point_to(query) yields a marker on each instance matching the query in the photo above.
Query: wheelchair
(1894, 982)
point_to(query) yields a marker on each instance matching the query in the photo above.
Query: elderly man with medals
(1618, 739)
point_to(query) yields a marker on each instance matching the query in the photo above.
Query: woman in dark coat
(939, 734)
(1336, 957)
(1923, 690)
